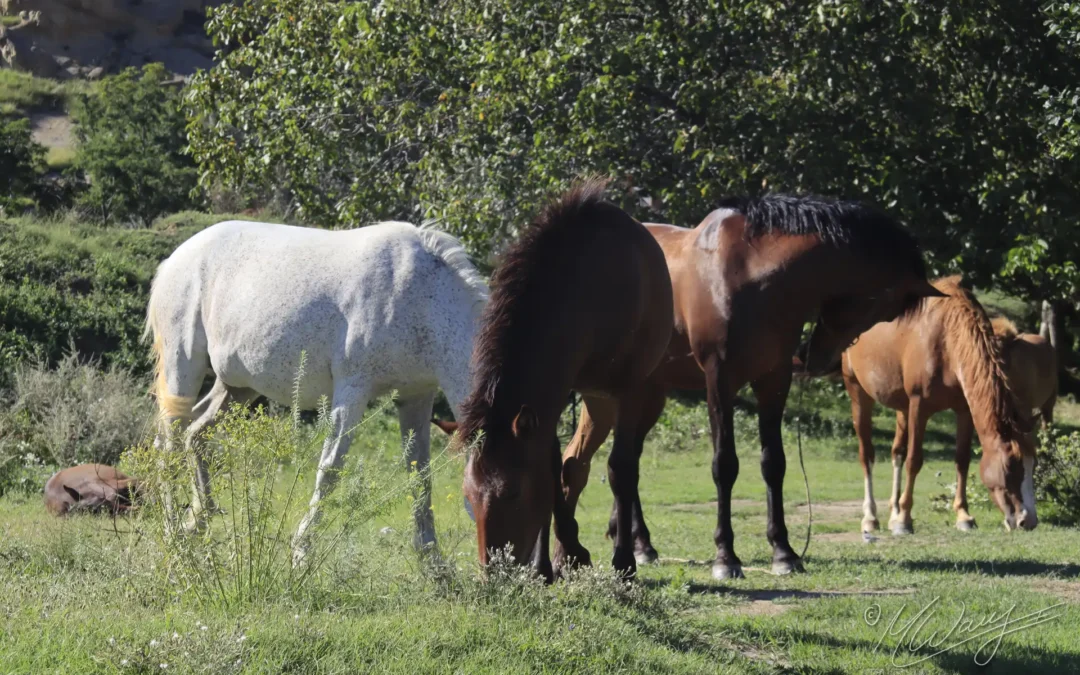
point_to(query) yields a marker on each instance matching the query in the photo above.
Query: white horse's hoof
(722, 572)
(870, 525)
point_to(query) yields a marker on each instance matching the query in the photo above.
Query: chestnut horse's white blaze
(380, 308)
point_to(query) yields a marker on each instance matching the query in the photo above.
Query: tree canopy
(956, 116)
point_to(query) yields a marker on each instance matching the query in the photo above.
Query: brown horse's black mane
(502, 328)
(838, 223)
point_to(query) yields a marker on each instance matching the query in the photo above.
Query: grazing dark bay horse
(1031, 364)
(942, 356)
(89, 488)
(745, 282)
(581, 301)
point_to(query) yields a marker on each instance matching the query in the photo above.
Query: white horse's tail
(169, 406)
(449, 250)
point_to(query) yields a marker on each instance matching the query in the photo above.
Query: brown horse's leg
(623, 478)
(652, 407)
(862, 409)
(965, 429)
(725, 467)
(597, 418)
(916, 428)
(772, 392)
(899, 453)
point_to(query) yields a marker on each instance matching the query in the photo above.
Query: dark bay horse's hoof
(724, 571)
(564, 561)
(966, 525)
(624, 563)
(646, 556)
(902, 529)
(782, 567)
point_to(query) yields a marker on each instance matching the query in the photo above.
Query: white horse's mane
(450, 250)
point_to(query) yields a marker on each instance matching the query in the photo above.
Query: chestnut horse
(581, 301)
(745, 282)
(944, 356)
(1031, 364)
(88, 488)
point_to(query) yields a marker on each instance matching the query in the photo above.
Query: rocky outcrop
(72, 38)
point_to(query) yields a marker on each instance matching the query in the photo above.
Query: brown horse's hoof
(966, 525)
(564, 562)
(783, 567)
(646, 556)
(724, 571)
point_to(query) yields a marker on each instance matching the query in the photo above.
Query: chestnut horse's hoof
(901, 529)
(966, 525)
(723, 571)
(782, 567)
(646, 556)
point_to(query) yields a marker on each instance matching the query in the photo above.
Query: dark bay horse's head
(510, 484)
(846, 316)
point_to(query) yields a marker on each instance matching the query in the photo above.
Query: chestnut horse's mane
(838, 223)
(501, 328)
(972, 342)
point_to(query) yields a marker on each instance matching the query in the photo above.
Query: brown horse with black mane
(745, 282)
(581, 301)
(942, 356)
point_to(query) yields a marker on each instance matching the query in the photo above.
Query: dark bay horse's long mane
(838, 223)
(521, 269)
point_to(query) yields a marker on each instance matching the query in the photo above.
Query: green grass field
(93, 595)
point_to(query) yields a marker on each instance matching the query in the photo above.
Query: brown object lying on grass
(91, 488)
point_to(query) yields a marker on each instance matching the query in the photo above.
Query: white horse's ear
(525, 423)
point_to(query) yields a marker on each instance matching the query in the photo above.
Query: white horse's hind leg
(347, 411)
(414, 416)
(205, 411)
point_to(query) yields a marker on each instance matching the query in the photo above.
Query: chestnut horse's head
(509, 481)
(1007, 469)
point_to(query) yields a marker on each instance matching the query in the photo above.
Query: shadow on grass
(1024, 659)
(1000, 568)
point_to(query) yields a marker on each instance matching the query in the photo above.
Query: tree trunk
(1047, 321)
(1053, 328)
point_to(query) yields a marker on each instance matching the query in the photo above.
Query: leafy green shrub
(131, 142)
(67, 285)
(22, 163)
(1057, 477)
(76, 413)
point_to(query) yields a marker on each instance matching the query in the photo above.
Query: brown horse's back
(1032, 367)
(91, 487)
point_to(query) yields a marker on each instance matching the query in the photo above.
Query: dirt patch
(853, 537)
(763, 608)
(1069, 591)
(52, 129)
(823, 511)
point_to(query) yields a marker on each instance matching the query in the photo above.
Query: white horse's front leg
(414, 417)
(348, 410)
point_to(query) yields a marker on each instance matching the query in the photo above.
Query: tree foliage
(22, 162)
(472, 111)
(131, 138)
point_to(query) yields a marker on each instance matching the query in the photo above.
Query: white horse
(375, 309)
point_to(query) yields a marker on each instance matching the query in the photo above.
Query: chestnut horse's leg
(597, 418)
(772, 392)
(652, 408)
(725, 467)
(965, 429)
(623, 479)
(916, 428)
(899, 453)
(862, 410)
